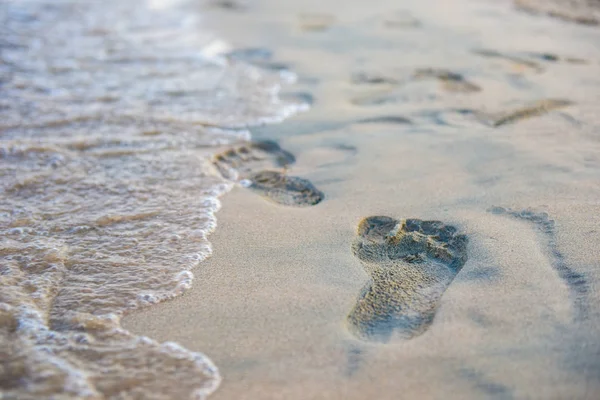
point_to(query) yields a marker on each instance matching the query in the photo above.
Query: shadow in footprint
(530, 110)
(411, 263)
(451, 81)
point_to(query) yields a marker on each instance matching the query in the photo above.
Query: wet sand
(521, 319)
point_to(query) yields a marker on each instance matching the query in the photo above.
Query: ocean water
(109, 114)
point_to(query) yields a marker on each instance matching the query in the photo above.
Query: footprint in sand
(451, 81)
(251, 165)
(530, 110)
(244, 160)
(496, 119)
(528, 62)
(393, 85)
(411, 263)
(283, 189)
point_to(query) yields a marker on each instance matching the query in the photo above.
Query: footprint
(451, 81)
(393, 85)
(240, 162)
(251, 165)
(533, 109)
(283, 189)
(411, 263)
(465, 117)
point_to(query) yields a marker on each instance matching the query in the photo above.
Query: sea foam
(109, 113)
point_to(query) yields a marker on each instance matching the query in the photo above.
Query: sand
(270, 305)
(522, 317)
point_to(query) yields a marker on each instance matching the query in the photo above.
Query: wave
(110, 112)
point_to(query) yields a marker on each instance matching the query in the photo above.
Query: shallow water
(110, 112)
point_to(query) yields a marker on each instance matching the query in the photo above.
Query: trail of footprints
(410, 262)
(389, 86)
(455, 83)
(261, 166)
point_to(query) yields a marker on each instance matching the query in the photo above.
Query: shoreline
(429, 228)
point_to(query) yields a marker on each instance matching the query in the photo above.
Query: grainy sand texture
(427, 228)
(471, 113)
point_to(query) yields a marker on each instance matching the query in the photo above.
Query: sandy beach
(328, 278)
(271, 302)
(270, 307)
